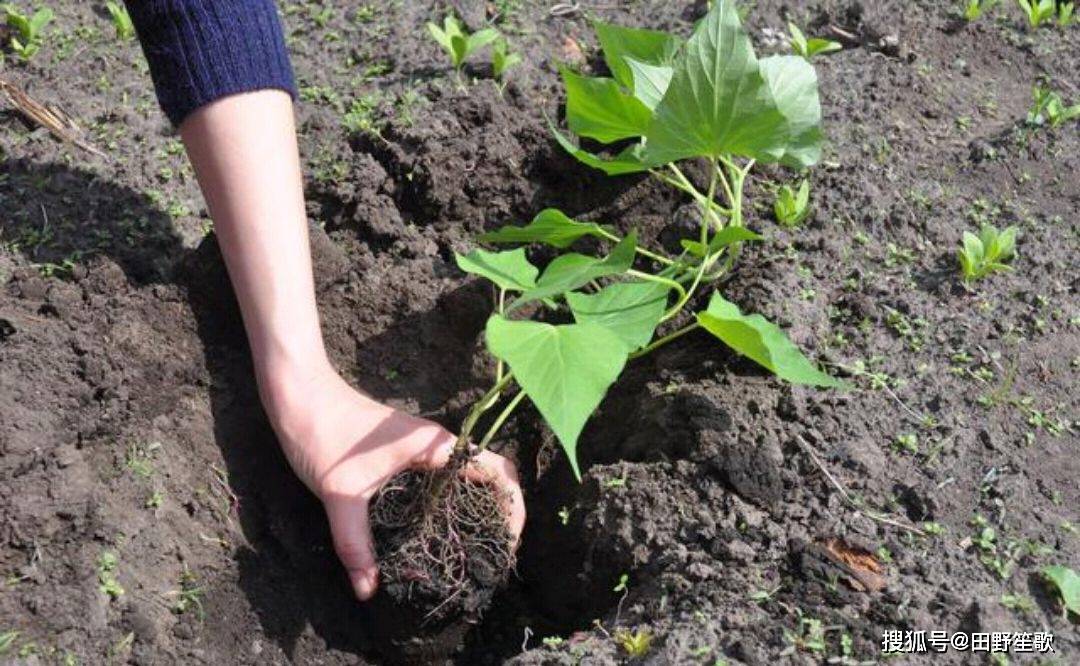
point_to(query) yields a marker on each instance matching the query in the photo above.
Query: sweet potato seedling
(30, 30)
(792, 207)
(503, 59)
(987, 252)
(1048, 108)
(1038, 12)
(121, 20)
(457, 42)
(808, 48)
(706, 98)
(974, 9)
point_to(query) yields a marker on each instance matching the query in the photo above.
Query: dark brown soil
(129, 424)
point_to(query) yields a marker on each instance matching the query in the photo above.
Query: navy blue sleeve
(202, 50)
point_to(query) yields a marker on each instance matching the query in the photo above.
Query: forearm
(244, 152)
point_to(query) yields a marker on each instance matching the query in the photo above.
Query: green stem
(660, 342)
(640, 250)
(500, 419)
(649, 277)
(502, 310)
(707, 206)
(482, 405)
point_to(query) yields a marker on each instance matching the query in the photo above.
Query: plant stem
(640, 250)
(708, 207)
(482, 405)
(649, 277)
(502, 310)
(500, 419)
(660, 342)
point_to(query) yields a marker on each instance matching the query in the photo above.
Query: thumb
(353, 542)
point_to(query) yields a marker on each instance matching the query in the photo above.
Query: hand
(344, 446)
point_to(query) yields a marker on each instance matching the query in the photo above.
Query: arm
(242, 143)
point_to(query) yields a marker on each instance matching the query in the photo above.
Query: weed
(121, 20)
(792, 207)
(138, 459)
(809, 637)
(808, 48)
(7, 640)
(363, 115)
(30, 30)
(106, 574)
(706, 98)
(1018, 602)
(987, 252)
(189, 596)
(1049, 109)
(1066, 14)
(155, 500)
(458, 43)
(634, 643)
(907, 442)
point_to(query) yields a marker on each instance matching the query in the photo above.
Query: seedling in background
(30, 30)
(986, 253)
(792, 207)
(974, 9)
(707, 99)
(503, 59)
(1038, 11)
(1049, 109)
(106, 573)
(635, 643)
(808, 48)
(121, 20)
(1066, 14)
(458, 43)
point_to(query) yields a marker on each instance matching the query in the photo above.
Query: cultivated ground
(149, 518)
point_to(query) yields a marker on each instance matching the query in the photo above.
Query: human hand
(344, 446)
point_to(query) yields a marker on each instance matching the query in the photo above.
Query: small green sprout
(458, 43)
(792, 207)
(986, 253)
(121, 20)
(623, 584)
(189, 596)
(363, 116)
(907, 442)
(974, 9)
(29, 28)
(1018, 602)
(1038, 11)
(1049, 109)
(635, 643)
(808, 48)
(106, 572)
(503, 59)
(7, 640)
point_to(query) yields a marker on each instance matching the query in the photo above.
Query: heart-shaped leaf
(627, 161)
(717, 102)
(509, 270)
(651, 47)
(762, 341)
(565, 370)
(793, 85)
(650, 82)
(550, 226)
(1067, 583)
(598, 108)
(571, 271)
(630, 310)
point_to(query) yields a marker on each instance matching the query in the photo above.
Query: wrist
(285, 381)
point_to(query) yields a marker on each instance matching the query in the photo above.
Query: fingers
(353, 543)
(490, 467)
(487, 467)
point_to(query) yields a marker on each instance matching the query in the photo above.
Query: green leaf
(651, 47)
(717, 102)
(1068, 584)
(762, 341)
(565, 370)
(817, 45)
(550, 226)
(627, 161)
(973, 248)
(509, 270)
(650, 82)
(630, 310)
(480, 39)
(570, 271)
(723, 238)
(794, 87)
(40, 19)
(599, 109)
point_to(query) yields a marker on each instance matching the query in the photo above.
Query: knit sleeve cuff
(203, 50)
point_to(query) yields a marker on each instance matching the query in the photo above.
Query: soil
(130, 427)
